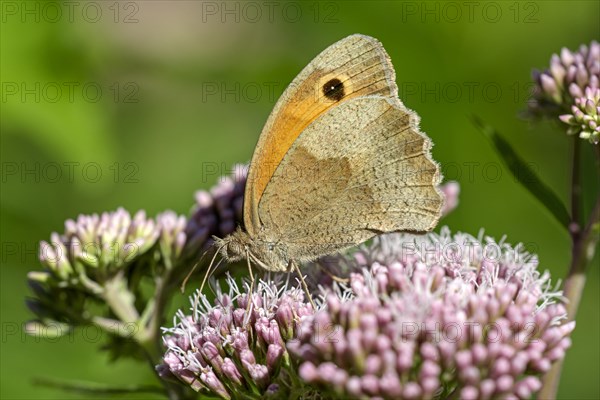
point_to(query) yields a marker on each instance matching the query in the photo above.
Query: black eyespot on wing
(333, 89)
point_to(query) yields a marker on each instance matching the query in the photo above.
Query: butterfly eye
(234, 248)
(270, 246)
(333, 89)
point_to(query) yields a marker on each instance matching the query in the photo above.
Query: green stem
(582, 252)
(152, 317)
(150, 322)
(573, 290)
(120, 299)
(147, 332)
(575, 225)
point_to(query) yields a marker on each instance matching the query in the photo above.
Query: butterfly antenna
(188, 276)
(304, 286)
(251, 289)
(206, 275)
(210, 267)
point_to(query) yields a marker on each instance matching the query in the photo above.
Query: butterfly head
(268, 254)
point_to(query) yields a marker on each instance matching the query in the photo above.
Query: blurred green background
(109, 104)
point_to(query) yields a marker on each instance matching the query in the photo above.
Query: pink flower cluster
(433, 316)
(231, 349)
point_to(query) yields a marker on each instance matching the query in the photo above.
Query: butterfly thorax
(266, 252)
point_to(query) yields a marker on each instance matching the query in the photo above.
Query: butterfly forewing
(353, 67)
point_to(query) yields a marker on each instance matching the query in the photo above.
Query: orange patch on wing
(302, 108)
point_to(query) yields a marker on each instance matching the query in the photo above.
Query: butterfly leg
(333, 276)
(304, 286)
(287, 277)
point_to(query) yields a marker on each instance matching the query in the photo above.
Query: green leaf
(524, 174)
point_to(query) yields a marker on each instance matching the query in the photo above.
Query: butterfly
(339, 160)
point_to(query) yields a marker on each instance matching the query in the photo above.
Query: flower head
(569, 75)
(98, 245)
(433, 315)
(585, 116)
(102, 256)
(230, 349)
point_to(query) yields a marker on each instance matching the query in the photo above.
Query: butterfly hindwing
(360, 169)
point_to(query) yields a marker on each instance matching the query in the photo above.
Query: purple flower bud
(411, 391)
(274, 354)
(567, 119)
(469, 393)
(390, 385)
(581, 77)
(353, 386)
(308, 372)
(566, 57)
(549, 85)
(259, 374)
(370, 385)
(172, 237)
(504, 383)
(273, 390)
(285, 317)
(247, 358)
(47, 255)
(270, 333)
(231, 372)
(373, 364)
(214, 384)
(451, 191)
(212, 356)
